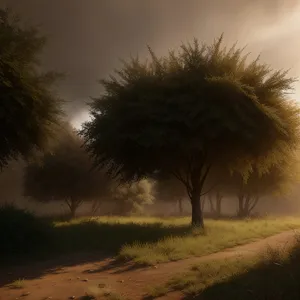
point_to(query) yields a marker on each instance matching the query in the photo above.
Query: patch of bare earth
(70, 277)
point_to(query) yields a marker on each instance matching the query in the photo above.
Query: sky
(87, 38)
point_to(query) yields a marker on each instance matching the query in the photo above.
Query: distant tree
(278, 180)
(214, 185)
(188, 112)
(215, 199)
(168, 189)
(65, 175)
(132, 198)
(29, 110)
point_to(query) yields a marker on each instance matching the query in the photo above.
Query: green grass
(273, 275)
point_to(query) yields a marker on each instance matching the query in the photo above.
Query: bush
(22, 232)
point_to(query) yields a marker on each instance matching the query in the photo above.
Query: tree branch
(209, 190)
(205, 175)
(254, 203)
(184, 181)
(68, 203)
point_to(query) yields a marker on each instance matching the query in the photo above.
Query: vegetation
(65, 175)
(158, 123)
(17, 284)
(140, 239)
(278, 180)
(218, 235)
(167, 189)
(21, 232)
(272, 275)
(132, 198)
(174, 114)
(29, 110)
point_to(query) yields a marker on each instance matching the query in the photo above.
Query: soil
(91, 273)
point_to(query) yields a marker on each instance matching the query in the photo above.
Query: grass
(144, 240)
(219, 235)
(275, 274)
(17, 284)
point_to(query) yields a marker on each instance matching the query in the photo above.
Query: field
(153, 256)
(143, 240)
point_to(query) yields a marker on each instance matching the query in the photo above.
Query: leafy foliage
(29, 110)
(65, 174)
(132, 198)
(21, 232)
(198, 101)
(176, 114)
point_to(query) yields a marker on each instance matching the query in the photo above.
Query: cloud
(87, 38)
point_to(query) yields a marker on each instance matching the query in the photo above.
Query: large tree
(29, 110)
(65, 175)
(185, 113)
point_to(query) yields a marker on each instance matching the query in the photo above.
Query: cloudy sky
(86, 38)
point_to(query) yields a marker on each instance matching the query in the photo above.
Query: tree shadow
(84, 242)
(273, 279)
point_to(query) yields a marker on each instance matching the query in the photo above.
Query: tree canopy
(29, 109)
(65, 174)
(189, 111)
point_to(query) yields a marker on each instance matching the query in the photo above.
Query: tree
(65, 175)
(132, 198)
(29, 110)
(279, 179)
(216, 206)
(187, 112)
(167, 189)
(214, 185)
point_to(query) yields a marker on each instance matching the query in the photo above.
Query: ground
(105, 278)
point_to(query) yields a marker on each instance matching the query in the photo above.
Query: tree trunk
(197, 214)
(245, 205)
(73, 208)
(203, 201)
(180, 206)
(212, 208)
(218, 204)
(241, 206)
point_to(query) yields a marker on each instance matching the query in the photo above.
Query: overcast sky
(86, 38)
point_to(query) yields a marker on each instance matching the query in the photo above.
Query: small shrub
(21, 232)
(18, 284)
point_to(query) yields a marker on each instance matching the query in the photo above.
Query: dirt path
(77, 280)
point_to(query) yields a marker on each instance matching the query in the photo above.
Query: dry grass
(144, 240)
(218, 235)
(274, 274)
(17, 284)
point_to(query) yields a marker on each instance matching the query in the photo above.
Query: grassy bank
(143, 240)
(217, 236)
(274, 275)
